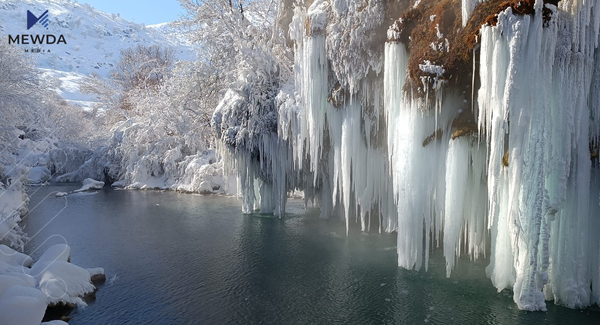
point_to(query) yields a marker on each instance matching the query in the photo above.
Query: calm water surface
(188, 259)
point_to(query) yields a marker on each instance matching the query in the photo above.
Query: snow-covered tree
(33, 120)
(157, 113)
(19, 88)
(231, 32)
(244, 47)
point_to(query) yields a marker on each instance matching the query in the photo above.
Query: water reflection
(189, 259)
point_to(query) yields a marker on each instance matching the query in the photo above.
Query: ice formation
(467, 8)
(534, 104)
(514, 182)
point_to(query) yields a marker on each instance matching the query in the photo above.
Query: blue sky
(148, 12)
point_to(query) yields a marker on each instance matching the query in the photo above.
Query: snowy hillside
(94, 40)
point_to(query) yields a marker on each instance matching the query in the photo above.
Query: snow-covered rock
(58, 252)
(121, 183)
(38, 175)
(97, 275)
(10, 256)
(204, 174)
(52, 280)
(63, 282)
(7, 281)
(18, 272)
(20, 305)
(90, 184)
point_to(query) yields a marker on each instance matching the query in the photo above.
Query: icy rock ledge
(29, 294)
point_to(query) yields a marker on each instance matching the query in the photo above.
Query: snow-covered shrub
(157, 113)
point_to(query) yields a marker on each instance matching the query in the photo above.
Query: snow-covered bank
(26, 291)
(167, 163)
(24, 160)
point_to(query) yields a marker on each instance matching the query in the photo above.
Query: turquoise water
(175, 258)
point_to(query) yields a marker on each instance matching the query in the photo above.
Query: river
(173, 258)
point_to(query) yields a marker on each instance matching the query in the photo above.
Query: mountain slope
(94, 40)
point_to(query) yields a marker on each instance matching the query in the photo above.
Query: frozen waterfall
(520, 190)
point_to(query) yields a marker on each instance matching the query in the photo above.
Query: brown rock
(463, 131)
(505, 159)
(435, 135)
(98, 279)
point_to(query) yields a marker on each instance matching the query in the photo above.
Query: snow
(22, 305)
(317, 14)
(67, 86)
(18, 272)
(433, 69)
(38, 175)
(121, 183)
(90, 184)
(169, 163)
(62, 282)
(203, 175)
(436, 72)
(24, 160)
(7, 281)
(58, 252)
(13, 205)
(96, 271)
(25, 293)
(94, 41)
(10, 256)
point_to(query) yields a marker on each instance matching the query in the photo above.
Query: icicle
(467, 8)
(527, 186)
(539, 190)
(457, 168)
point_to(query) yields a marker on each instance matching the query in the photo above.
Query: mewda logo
(32, 19)
(31, 39)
